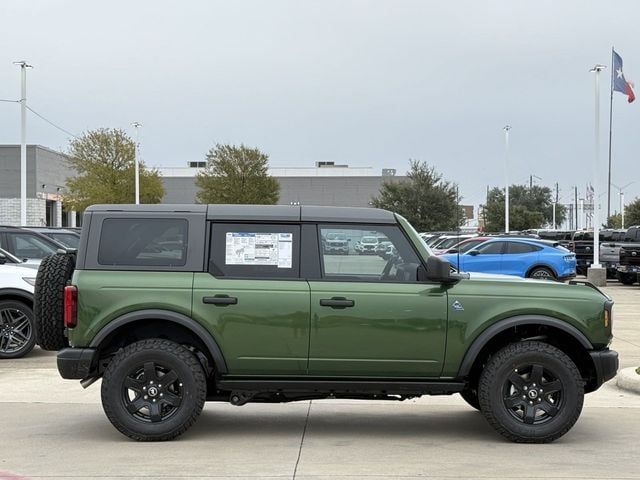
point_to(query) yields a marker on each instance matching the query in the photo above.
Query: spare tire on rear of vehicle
(54, 273)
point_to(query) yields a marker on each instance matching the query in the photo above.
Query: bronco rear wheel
(153, 390)
(531, 392)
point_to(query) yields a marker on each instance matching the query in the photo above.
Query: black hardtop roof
(272, 213)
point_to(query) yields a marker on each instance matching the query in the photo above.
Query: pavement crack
(304, 432)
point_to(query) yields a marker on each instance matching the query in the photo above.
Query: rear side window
(517, 247)
(255, 250)
(134, 242)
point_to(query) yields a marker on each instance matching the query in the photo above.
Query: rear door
(253, 300)
(370, 316)
(518, 257)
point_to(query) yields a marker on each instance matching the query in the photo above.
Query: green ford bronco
(175, 305)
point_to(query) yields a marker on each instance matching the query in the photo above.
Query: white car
(17, 322)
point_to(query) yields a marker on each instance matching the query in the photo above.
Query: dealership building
(324, 183)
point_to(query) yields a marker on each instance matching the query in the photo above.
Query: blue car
(529, 258)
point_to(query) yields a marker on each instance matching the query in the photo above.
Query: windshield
(67, 239)
(466, 246)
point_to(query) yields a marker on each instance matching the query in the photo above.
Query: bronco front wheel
(153, 390)
(531, 392)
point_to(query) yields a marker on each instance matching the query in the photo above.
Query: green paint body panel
(266, 333)
(278, 327)
(106, 295)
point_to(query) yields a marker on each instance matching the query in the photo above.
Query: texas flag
(619, 82)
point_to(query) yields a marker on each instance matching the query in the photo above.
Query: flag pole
(610, 129)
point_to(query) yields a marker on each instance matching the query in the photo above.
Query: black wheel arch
(521, 327)
(17, 294)
(171, 321)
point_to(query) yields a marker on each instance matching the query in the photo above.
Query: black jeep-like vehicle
(629, 266)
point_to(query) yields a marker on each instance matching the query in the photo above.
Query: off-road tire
(29, 329)
(497, 372)
(471, 397)
(627, 278)
(172, 356)
(54, 273)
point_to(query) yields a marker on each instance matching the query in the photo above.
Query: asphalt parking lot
(52, 428)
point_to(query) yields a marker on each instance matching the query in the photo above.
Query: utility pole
(506, 177)
(575, 202)
(23, 140)
(622, 207)
(137, 126)
(554, 207)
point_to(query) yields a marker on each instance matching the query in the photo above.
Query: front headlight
(30, 280)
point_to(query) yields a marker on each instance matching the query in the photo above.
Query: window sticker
(259, 248)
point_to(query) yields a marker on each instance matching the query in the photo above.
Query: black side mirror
(3, 259)
(438, 270)
(473, 253)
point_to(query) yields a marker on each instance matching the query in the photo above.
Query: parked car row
(21, 251)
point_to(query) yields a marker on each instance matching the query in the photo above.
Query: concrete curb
(628, 379)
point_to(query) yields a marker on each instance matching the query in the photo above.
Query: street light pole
(23, 140)
(595, 266)
(137, 126)
(506, 177)
(622, 207)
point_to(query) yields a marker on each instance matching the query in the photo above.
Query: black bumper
(606, 364)
(77, 363)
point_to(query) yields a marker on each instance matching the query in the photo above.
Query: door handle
(337, 302)
(221, 300)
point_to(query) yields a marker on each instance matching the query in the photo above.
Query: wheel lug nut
(525, 387)
(151, 382)
(145, 397)
(534, 384)
(144, 388)
(530, 403)
(162, 394)
(159, 385)
(154, 400)
(524, 397)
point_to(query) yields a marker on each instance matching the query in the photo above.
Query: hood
(23, 270)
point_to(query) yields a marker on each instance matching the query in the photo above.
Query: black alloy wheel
(531, 394)
(152, 392)
(17, 335)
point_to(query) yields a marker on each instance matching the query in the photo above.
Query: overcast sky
(366, 83)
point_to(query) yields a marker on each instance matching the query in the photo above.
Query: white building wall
(10, 211)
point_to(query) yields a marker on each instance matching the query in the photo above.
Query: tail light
(70, 306)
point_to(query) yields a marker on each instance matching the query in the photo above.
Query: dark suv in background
(629, 266)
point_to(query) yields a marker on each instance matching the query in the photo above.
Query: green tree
(425, 199)
(237, 175)
(632, 213)
(104, 161)
(614, 221)
(528, 208)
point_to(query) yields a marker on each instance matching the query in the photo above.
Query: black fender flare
(481, 340)
(166, 315)
(16, 292)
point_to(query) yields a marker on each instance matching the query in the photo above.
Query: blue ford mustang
(523, 257)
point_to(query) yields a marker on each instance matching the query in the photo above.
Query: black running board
(342, 387)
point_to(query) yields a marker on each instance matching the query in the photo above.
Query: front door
(253, 300)
(369, 314)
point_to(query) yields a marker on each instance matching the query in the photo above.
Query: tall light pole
(506, 129)
(137, 126)
(596, 268)
(23, 140)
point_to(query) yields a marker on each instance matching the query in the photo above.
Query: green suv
(176, 305)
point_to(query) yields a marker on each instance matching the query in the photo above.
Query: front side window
(255, 250)
(491, 248)
(30, 246)
(371, 254)
(138, 242)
